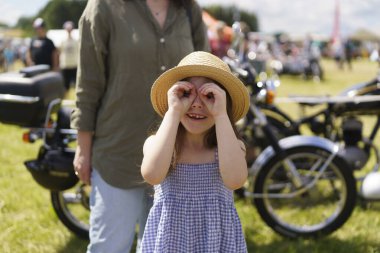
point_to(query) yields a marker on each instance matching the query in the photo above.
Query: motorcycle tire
(72, 210)
(309, 214)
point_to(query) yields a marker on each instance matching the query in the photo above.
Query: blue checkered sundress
(193, 212)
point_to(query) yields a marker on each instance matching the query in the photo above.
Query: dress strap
(216, 154)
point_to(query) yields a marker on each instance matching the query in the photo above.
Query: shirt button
(162, 40)
(163, 67)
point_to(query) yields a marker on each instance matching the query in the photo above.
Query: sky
(292, 16)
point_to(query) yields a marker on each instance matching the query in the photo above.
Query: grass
(29, 224)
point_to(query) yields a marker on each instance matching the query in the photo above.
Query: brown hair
(184, 3)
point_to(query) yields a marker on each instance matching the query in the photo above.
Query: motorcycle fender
(292, 142)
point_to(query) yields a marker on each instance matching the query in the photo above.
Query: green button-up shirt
(122, 51)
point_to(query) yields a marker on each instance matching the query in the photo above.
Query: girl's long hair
(184, 3)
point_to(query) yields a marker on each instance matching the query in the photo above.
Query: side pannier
(25, 96)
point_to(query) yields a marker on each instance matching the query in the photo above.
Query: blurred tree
(3, 25)
(55, 13)
(230, 14)
(25, 24)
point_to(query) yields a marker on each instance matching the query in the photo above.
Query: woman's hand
(214, 98)
(82, 166)
(180, 97)
(82, 159)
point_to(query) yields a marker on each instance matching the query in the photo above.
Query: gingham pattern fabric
(193, 212)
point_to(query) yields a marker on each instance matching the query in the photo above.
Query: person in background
(9, 56)
(375, 54)
(124, 46)
(68, 56)
(220, 43)
(42, 50)
(349, 52)
(338, 52)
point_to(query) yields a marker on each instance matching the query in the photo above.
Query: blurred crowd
(11, 50)
(278, 53)
(284, 54)
(40, 49)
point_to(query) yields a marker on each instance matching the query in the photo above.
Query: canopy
(365, 35)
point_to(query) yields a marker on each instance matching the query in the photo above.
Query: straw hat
(205, 65)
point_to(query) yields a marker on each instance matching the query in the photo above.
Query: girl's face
(198, 119)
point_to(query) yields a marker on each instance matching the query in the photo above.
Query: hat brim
(235, 88)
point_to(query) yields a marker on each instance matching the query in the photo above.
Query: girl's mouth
(196, 116)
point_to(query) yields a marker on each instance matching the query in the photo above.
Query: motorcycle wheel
(319, 210)
(72, 208)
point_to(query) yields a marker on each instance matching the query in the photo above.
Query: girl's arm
(231, 152)
(158, 149)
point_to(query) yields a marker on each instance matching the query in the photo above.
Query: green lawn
(29, 224)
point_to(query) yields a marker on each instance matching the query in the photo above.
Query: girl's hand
(214, 98)
(180, 97)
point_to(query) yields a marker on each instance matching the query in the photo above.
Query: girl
(196, 160)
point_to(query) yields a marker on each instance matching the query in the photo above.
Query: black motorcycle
(291, 177)
(300, 185)
(32, 99)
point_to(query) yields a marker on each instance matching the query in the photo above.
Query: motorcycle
(300, 185)
(293, 176)
(340, 120)
(33, 99)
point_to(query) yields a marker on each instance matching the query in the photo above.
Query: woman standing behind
(68, 57)
(125, 45)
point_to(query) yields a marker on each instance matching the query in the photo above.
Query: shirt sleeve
(91, 80)
(51, 45)
(200, 39)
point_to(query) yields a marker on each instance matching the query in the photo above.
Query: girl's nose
(197, 103)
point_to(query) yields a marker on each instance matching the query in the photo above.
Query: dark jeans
(69, 76)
